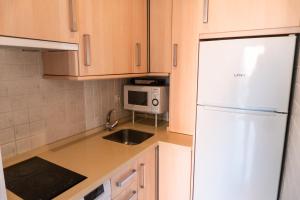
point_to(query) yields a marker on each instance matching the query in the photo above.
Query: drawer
(124, 178)
(129, 193)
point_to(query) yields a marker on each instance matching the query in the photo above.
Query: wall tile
(8, 150)
(23, 145)
(5, 105)
(7, 135)
(36, 111)
(19, 102)
(22, 131)
(20, 117)
(6, 120)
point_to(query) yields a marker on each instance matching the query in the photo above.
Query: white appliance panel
(2, 183)
(246, 73)
(238, 154)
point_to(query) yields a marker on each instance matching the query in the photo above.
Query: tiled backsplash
(291, 182)
(36, 111)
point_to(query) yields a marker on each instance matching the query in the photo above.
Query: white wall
(291, 182)
(36, 111)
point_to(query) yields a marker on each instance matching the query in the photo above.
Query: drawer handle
(205, 11)
(122, 182)
(133, 195)
(138, 54)
(175, 54)
(87, 49)
(73, 15)
(142, 185)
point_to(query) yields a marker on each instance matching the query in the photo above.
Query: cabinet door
(139, 36)
(183, 79)
(239, 15)
(175, 164)
(39, 19)
(161, 36)
(105, 37)
(147, 178)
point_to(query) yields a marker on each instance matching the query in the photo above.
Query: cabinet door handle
(175, 54)
(138, 54)
(142, 184)
(133, 195)
(123, 181)
(73, 16)
(87, 49)
(205, 11)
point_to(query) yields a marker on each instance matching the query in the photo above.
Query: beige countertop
(96, 158)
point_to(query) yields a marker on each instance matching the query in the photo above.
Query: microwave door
(137, 99)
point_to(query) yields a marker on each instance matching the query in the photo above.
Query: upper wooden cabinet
(183, 79)
(53, 20)
(113, 37)
(242, 15)
(161, 36)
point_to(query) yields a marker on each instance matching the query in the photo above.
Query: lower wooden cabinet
(160, 172)
(123, 179)
(147, 175)
(136, 181)
(175, 163)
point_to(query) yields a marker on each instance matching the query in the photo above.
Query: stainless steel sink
(128, 136)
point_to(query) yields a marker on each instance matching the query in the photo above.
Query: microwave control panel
(155, 100)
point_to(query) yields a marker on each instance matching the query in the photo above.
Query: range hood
(37, 44)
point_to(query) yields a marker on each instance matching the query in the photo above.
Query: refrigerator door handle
(242, 111)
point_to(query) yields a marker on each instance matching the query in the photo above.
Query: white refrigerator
(242, 108)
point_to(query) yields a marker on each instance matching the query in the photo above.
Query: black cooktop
(38, 179)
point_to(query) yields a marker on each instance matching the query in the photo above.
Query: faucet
(110, 125)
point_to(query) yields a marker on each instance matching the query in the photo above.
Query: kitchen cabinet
(235, 15)
(175, 163)
(124, 179)
(183, 79)
(54, 20)
(139, 41)
(138, 179)
(113, 37)
(147, 175)
(161, 36)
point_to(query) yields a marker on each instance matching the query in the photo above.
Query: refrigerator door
(2, 183)
(250, 74)
(238, 154)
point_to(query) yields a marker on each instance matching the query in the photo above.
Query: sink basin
(128, 136)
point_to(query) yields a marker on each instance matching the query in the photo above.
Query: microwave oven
(146, 99)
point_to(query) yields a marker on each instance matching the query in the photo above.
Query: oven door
(137, 98)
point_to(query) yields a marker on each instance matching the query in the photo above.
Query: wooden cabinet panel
(118, 36)
(38, 19)
(109, 26)
(183, 79)
(241, 15)
(139, 40)
(147, 172)
(161, 36)
(174, 171)
(129, 193)
(126, 177)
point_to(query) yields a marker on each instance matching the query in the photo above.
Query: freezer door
(238, 154)
(246, 73)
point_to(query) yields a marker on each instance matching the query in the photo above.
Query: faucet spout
(110, 125)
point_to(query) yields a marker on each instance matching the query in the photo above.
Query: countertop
(90, 155)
